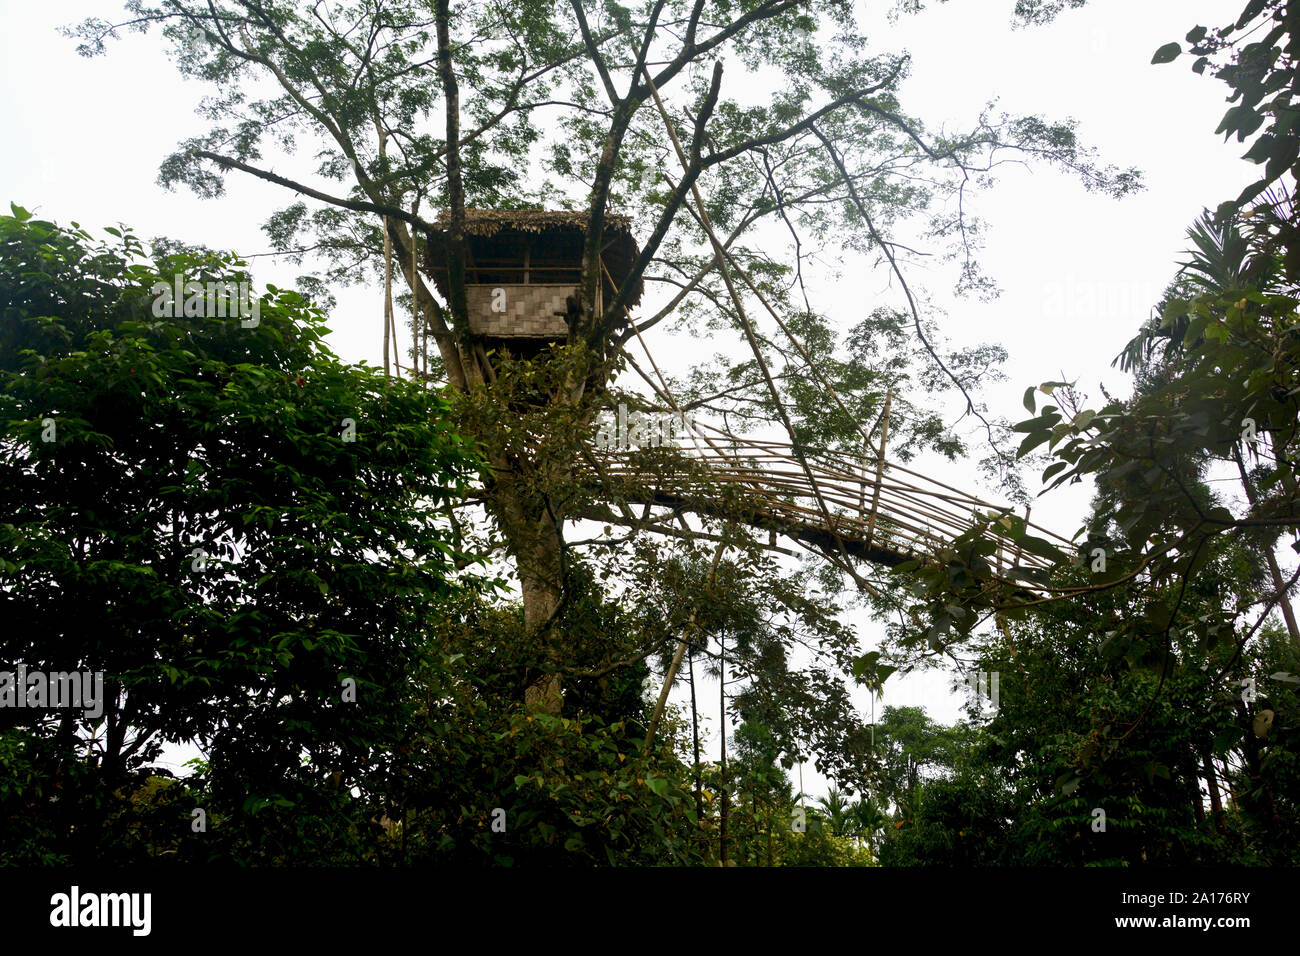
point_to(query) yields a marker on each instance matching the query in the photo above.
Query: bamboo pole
(388, 292)
(415, 299)
(880, 465)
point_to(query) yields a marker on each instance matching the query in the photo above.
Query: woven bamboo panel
(529, 310)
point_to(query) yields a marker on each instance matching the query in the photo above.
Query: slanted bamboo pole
(880, 465)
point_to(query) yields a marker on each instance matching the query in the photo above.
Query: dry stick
(722, 726)
(676, 662)
(750, 479)
(664, 390)
(720, 253)
(845, 491)
(776, 506)
(837, 494)
(960, 496)
(695, 737)
(702, 218)
(391, 330)
(904, 493)
(794, 340)
(862, 484)
(390, 315)
(603, 474)
(422, 325)
(682, 293)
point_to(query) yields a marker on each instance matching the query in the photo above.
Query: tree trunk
(537, 547)
(722, 717)
(1198, 808)
(695, 740)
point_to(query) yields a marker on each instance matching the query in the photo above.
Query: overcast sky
(1079, 272)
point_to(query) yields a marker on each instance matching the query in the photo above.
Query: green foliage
(963, 820)
(1259, 73)
(572, 792)
(1081, 728)
(1216, 403)
(1109, 734)
(202, 528)
(200, 501)
(767, 823)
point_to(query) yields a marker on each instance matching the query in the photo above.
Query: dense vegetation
(294, 564)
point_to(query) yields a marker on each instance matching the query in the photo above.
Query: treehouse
(523, 266)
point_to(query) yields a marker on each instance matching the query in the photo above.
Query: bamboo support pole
(880, 466)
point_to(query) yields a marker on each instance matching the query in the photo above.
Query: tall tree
(527, 102)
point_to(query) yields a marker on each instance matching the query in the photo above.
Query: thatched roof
(554, 235)
(488, 222)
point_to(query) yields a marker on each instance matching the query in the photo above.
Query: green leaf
(1049, 418)
(1053, 469)
(1167, 53)
(1032, 440)
(1041, 547)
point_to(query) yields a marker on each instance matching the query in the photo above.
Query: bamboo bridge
(863, 507)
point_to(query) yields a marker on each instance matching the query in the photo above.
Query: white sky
(1079, 272)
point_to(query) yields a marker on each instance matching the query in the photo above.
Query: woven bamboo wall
(529, 311)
